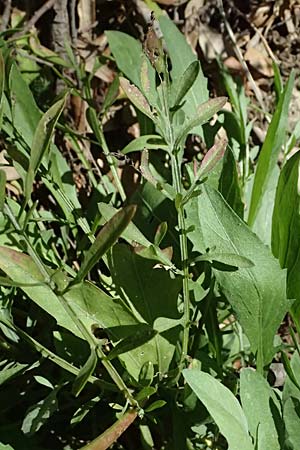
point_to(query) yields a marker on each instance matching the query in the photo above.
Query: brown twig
(36, 16)
(5, 15)
(106, 439)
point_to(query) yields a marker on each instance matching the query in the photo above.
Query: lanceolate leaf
(41, 142)
(105, 239)
(186, 81)
(269, 154)
(286, 225)
(204, 113)
(222, 406)
(257, 294)
(142, 335)
(136, 97)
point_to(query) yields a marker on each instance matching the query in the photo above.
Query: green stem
(177, 184)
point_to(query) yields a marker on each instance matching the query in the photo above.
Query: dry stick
(241, 59)
(106, 439)
(5, 15)
(36, 16)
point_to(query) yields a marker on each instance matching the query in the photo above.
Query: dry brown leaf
(259, 61)
(211, 42)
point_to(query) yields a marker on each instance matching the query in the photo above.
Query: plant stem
(176, 176)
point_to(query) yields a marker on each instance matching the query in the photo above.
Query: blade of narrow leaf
(214, 154)
(286, 226)
(136, 97)
(85, 372)
(140, 337)
(150, 141)
(257, 294)
(204, 113)
(41, 142)
(107, 236)
(2, 188)
(222, 406)
(182, 56)
(268, 157)
(2, 79)
(289, 370)
(185, 82)
(260, 406)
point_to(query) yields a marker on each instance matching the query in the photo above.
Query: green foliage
(123, 308)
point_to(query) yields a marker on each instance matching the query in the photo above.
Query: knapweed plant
(160, 308)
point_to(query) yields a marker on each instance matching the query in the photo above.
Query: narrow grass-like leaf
(85, 372)
(142, 335)
(2, 188)
(41, 142)
(222, 406)
(136, 97)
(107, 236)
(269, 153)
(258, 293)
(286, 226)
(2, 79)
(205, 112)
(186, 81)
(289, 370)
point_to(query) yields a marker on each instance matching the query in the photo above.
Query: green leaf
(149, 141)
(85, 372)
(213, 156)
(286, 225)
(2, 80)
(229, 184)
(268, 157)
(222, 406)
(2, 188)
(155, 405)
(128, 54)
(131, 234)
(111, 95)
(205, 111)
(10, 370)
(38, 414)
(143, 333)
(181, 87)
(136, 97)
(106, 237)
(83, 410)
(291, 405)
(182, 56)
(41, 142)
(261, 408)
(151, 294)
(230, 259)
(257, 294)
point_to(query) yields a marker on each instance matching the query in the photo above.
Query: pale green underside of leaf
(222, 406)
